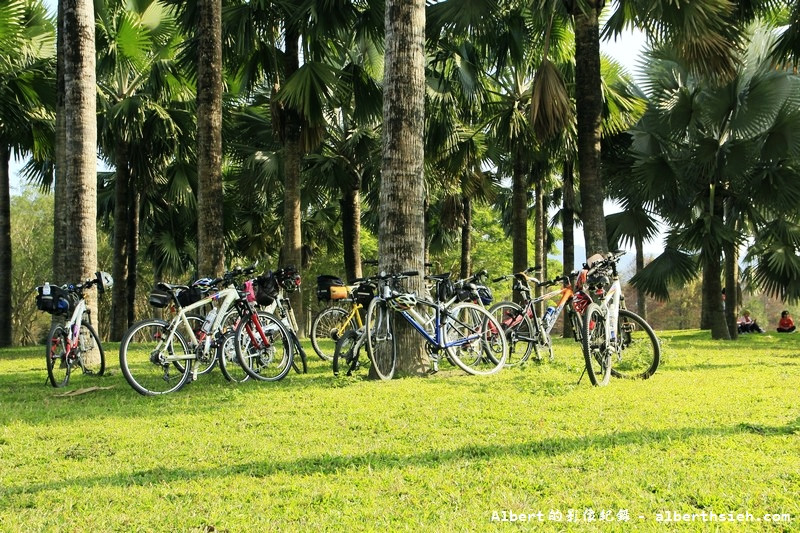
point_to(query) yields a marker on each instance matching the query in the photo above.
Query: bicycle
(469, 335)
(156, 358)
(286, 280)
(612, 335)
(526, 331)
(351, 340)
(74, 344)
(330, 323)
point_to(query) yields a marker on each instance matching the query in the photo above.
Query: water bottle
(209, 319)
(548, 316)
(46, 289)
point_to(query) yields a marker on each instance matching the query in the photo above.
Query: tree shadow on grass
(331, 464)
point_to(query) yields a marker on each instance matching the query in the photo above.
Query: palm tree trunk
(351, 229)
(5, 248)
(60, 186)
(731, 302)
(401, 230)
(466, 237)
(712, 289)
(133, 252)
(641, 297)
(293, 152)
(568, 229)
(589, 101)
(80, 90)
(519, 215)
(119, 293)
(539, 239)
(210, 231)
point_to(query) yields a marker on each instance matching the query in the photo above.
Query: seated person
(748, 324)
(786, 324)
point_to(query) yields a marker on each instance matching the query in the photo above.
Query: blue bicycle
(463, 332)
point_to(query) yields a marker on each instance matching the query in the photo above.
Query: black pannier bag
(445, 290)
(59, 301)
(364, 294)
(189, 296)
(266, 288)
(324, 284)
(159, 298)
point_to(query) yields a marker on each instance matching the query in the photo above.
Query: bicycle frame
(73, 326)
(416, 319)
(228, 296)
(609, 304)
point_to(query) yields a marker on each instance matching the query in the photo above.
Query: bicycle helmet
(402, 302)
(104, 281)
(289, 278)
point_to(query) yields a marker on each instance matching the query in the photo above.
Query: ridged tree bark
(568, 228)
(539, 238)
(519, 215)
(60, 185)
(5, 248)
(351, 228)
(210, 231)
(80, 90)
(401, 233)
(133, 251)
(119, 270)
(466, 237)
(589, 101)
(641, 297)
(293, 154)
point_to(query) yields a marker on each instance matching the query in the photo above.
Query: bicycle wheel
(229, 361)
(518, 329)
(90, 351)
(324, 331)
(639, 350)
(147, 359)
(267, 358)
(474, 339)
(596, 351)
(381, 341)
(345, 358)
(58, 365)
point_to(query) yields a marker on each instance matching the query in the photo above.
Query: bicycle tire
(298, 350)
(475, 339)
(58, 366)
(229, 361)
(381, 340)
(146, 370)
(270, 362)
(596, 352)
(639, 351)
(344, 356)
(518, 329)
(92, 356)
(323, 328)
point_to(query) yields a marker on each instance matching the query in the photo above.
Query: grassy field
(716, 430)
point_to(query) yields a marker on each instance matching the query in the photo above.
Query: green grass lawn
(716, 430)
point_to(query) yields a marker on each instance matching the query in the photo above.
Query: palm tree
(714, 155)
(210, 232)
(27, 101)
(138, 82)
(80, 114)
(401, 232)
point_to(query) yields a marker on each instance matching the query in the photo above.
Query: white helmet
(402, 302)
(104, 281)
